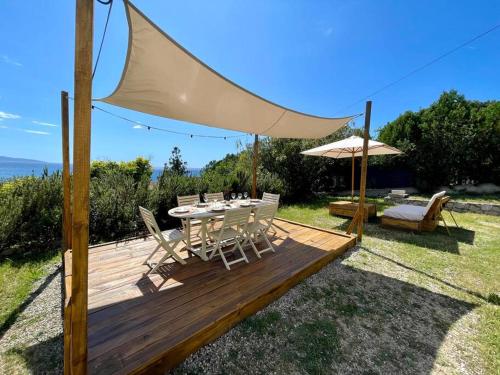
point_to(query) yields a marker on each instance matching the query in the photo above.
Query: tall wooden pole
(81, 176)
(255, 159)
(364, 167)
(65, 174)
(352, 177)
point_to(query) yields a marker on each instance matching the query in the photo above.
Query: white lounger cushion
(410, 212)
(433, 199)
(406, 212)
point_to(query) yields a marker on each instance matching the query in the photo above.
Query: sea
(19, 169)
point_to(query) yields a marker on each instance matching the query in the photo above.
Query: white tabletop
(195, 212)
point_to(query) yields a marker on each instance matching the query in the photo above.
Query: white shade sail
(162, 78)
(349, 147)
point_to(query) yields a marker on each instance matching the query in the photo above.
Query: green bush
(31, 212)
(114, 200)
(451, 141)
(163, 195)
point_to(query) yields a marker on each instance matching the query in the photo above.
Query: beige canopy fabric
(349, 147)
(162, 78)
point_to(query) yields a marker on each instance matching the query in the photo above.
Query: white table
(204, 214)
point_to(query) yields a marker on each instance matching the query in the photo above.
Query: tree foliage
(452, 141)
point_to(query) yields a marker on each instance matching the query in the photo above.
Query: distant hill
(7, 159)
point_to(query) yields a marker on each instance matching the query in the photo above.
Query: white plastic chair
(167, 240)
(234, 228)
(258, 229)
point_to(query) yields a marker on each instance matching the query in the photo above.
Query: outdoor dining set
(222, 227)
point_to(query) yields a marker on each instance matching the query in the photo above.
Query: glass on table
(233, 196)
(240, 196)
(245, 194)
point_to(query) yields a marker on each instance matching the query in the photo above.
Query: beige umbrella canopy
(350, 148)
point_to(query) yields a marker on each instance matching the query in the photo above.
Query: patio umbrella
(350, 148)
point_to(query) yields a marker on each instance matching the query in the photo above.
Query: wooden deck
(143, 323)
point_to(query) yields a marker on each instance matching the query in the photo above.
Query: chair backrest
(187, 200)
(237, 217)
(265, 214)
(271, 198)
(433, 200)
(215, 196)
(151, 224)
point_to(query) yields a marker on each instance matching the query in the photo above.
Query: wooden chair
(271, 198)
(233, 230)
(219, 197)
(258, 229)
(215, 196)
(417, 218)
(167, 240)
(189, 200)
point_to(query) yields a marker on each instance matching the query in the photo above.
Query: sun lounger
(416, 218)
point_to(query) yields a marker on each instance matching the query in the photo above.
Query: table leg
(188, 233)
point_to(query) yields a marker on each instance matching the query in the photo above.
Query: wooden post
(364, 167)
(66, 226)
(81, 180)
(352, 177)
(255, 159)
(66, 235)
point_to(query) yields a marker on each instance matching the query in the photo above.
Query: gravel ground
(358, 315)
(34, 345)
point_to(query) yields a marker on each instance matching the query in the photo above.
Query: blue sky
(317, 57)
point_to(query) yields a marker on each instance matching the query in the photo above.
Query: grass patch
(17, 276)
(263, 323)
(463, 266)
(313, 345)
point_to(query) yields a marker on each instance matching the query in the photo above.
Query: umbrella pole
(255, 157)
(352, 178)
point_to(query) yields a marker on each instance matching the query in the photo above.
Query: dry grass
(401, 303)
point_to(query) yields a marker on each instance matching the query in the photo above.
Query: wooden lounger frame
(429, 222)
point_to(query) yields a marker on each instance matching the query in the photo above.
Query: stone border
(478, 208)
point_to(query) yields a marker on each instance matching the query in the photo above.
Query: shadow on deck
(147, 323)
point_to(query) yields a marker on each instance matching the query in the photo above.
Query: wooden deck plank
(141, 323)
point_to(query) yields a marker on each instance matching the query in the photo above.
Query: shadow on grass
(345, 320)
(45, 357)
(14, 314)
(488, 299)
(436, 240)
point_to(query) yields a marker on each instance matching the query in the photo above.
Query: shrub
(31, 212)
(114, 200)
(164, 195)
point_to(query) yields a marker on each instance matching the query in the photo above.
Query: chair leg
(151, 255)
(255, 250)
(243, 255)
(453, 217)
(446, 226)
(268, 242)
(174, 254)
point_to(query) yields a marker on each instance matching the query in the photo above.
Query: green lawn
(464, 266)
(17, 276)
(400, 303)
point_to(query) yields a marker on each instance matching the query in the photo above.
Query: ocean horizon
(20, 169)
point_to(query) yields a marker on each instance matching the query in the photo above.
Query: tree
(176, 164)
(452, 141)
